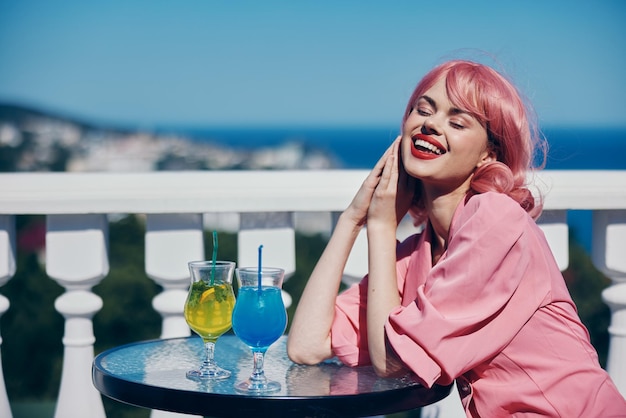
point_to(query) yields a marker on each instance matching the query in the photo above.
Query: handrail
(232, 191)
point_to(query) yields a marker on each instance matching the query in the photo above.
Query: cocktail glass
(259, 319)
(208, 311)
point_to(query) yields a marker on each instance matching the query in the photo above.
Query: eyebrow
(454, 110)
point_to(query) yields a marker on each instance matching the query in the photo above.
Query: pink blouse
(494, 313)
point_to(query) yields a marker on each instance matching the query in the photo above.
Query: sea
(588, 148)
(360, 148)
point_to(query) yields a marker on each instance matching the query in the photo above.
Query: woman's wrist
(380, 226)
(349, 219)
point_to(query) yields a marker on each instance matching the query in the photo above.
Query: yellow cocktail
(208, 310)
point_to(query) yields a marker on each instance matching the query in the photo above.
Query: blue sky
(205, 62)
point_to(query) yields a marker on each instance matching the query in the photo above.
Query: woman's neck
(440, 213)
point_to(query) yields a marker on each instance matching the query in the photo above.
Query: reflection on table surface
(163, 363)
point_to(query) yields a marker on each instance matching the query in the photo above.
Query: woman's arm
(309, 335)
(390, 202)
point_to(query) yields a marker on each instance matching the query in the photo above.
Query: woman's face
(441, 144)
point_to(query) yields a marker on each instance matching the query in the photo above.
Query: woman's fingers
(406, 190)
(378, 169)
(362, 200)
(393, 195)
(383, 204)
(389, 177)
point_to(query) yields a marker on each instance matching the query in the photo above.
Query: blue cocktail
(259, 319)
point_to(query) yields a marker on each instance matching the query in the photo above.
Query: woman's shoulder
(490, 214)
(494, 202)
(492, 208)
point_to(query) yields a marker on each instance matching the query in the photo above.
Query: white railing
(267, 206)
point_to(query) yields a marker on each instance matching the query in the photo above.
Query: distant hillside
(36, 140)
(23, 115)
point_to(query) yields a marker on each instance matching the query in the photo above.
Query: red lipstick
(426, 148)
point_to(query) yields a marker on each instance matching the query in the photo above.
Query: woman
(475, 296)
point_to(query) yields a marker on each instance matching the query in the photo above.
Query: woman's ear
(488, 156)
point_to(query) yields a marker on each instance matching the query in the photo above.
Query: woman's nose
(429, 126)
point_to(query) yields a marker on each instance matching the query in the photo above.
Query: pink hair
(512, 137)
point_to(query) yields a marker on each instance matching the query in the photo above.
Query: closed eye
(423, 111)
(425, 106)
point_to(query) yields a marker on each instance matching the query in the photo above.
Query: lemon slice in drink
(207, 295)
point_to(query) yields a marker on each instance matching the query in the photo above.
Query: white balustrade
(609, 256)
(7, 248)
(5, 407)
(172, 240)
(176, 204)
(553, 223)
(77, 258)
(7, 270)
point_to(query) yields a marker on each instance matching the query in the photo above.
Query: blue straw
(259, 275)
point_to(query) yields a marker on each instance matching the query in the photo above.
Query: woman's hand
(393, 195)
(387, 183)
(357, 211)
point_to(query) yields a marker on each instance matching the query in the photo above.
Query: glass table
(151, 374)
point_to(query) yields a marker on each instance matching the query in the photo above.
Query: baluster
(172, 240)
(7, 248)
(555, 228)
(273, 230)
(77, 258)
(609, 256)
(7, 270)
